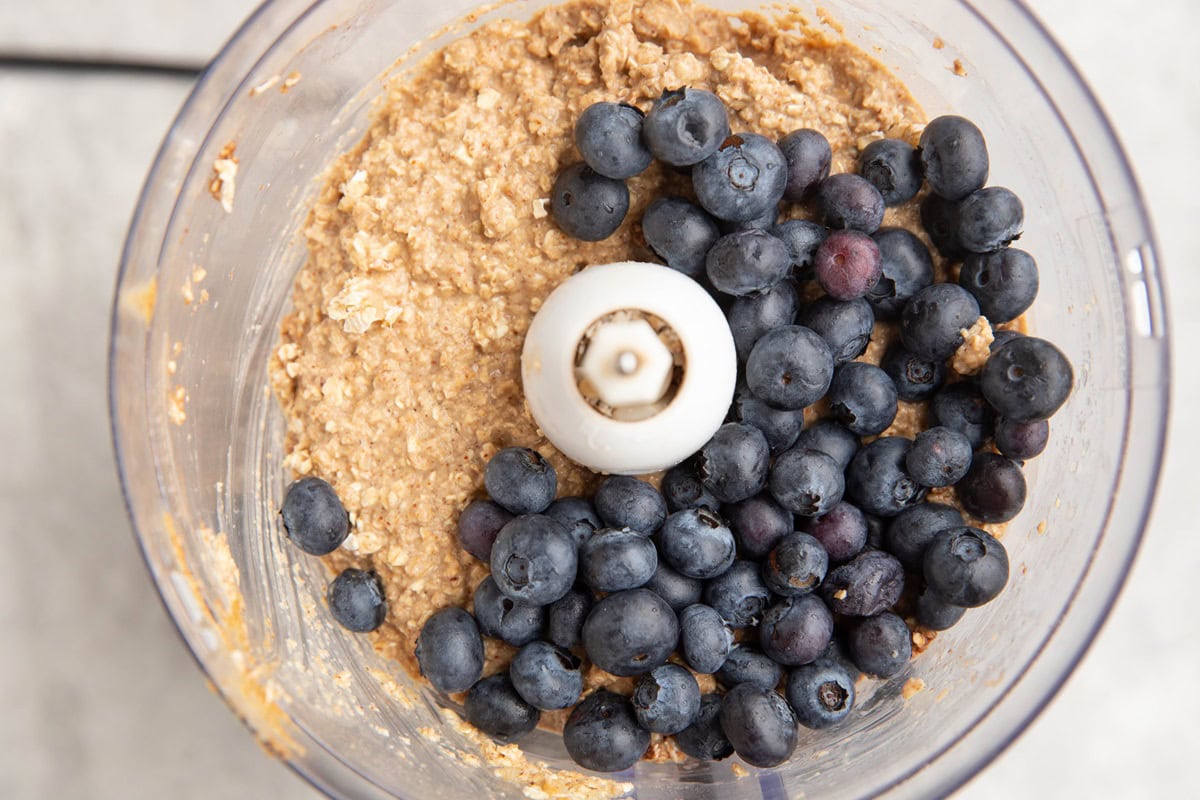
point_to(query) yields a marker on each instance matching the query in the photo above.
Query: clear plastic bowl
(203, 491)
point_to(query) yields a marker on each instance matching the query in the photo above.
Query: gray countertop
(101, 700)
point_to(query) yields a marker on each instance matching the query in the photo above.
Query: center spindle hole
(627, 362)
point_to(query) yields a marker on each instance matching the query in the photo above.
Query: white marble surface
(100, 699)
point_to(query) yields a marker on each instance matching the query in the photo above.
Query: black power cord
(54, 62)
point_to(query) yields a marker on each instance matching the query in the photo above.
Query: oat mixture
(430, 250)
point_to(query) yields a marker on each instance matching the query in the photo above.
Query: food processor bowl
(198, 433)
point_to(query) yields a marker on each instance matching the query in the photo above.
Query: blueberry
(790, 367)
(578, 516)
(759, 724)
(905, 269)
(830, 438)
(847, 264)
(939, 218)
(1027, 379)
(821, 694)
(494, 707)
(738, 594)
(913, 529)
(796, 566)
(504, 618)
(747, 261)
(356, 600)
(450, 650)
(572, 510)
(626, 502)
(876, 480)
(1005, 283)
(966, 566)
(960, 407)
(703, 739)
(704, 638)
(564, 619)
(752, 315)
(313, 516)
(779, 426)
(630, 632)
(916, 378)
(679, 233)
(806, 482)
(880, 645)
(520, 480)
(869, 584)
(603, 734)
(763, 222)
(747, 664)
(1003, 337)
(478, 525)
(939, 457)
(678, 590)
(842, 531)
(893, 167)
(666, 700)
(697, 543)
(876, 528)
(932, 322)
(757, 523)
(994, 488)
(863, 398)
(534, 560)
(546, 677)
(685, 126)
(954, 157)
(802, 238)
(989, 219)
(609, 137)
(782, 428)
(732, 465)
(743, 179)
(808, 156)
(618, 559)
(796, 630)
(850, 202)
(588, 205)
(934, 613)
(1022, 440)
(681, 488)
(845, 326)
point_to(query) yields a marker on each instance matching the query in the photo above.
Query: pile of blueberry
(632, 578)
(778, 556)
(782, 559)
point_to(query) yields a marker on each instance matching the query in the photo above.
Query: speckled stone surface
(101, 700)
